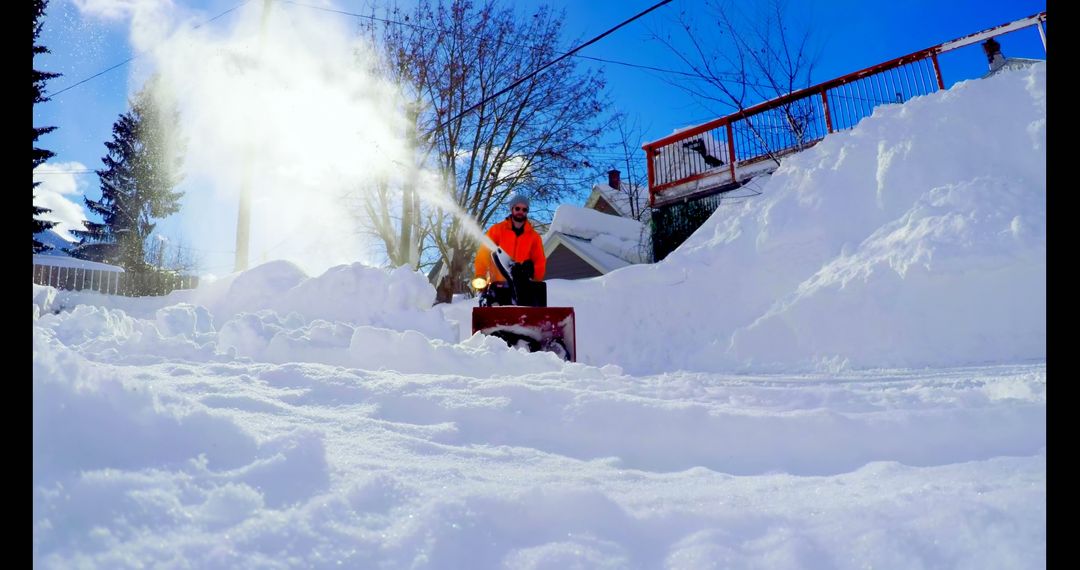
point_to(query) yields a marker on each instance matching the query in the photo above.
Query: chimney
(993, 54)
(613, 179)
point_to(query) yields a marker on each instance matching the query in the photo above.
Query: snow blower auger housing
(516, 311)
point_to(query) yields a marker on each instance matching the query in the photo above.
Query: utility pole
(410, 203)
(160, 251)
(243, 218)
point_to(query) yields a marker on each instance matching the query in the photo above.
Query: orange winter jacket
(526, 246)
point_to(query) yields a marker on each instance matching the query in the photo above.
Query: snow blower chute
(516, 311)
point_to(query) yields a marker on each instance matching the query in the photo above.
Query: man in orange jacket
(516, 236)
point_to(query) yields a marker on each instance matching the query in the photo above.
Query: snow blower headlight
(479, 283)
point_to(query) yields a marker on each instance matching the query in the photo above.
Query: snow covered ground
(847, 371)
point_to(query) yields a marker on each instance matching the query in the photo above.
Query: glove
(527, 269)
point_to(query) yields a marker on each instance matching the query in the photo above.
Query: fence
(723, 152)
(673, 223)
(112, 282)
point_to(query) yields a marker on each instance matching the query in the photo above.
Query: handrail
(859, 88)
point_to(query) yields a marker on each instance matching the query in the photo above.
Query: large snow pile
(916, 238)
(351, 315)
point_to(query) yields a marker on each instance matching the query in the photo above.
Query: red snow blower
(516, 311)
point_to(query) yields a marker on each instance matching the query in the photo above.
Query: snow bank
(352, 315)
(916, 238)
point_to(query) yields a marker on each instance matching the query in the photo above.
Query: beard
(518, 217)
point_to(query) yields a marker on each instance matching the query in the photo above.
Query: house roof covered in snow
(626, 200)
(605, 241)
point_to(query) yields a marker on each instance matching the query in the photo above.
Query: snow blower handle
(524, 270)
(505, 264)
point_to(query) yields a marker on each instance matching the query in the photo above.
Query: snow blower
(516, 311)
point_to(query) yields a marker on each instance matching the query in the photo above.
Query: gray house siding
(565, 264)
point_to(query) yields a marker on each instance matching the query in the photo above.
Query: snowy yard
(847, 371)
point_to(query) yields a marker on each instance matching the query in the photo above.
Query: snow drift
(916, 238)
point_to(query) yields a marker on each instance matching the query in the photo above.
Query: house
(618, 199)
(600, 237)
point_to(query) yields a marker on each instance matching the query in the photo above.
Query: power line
(547, 65)
(730, 76)
(365, 16)
(690, 74)
(647, 67)
(423, 28)
(130, 59)
(504, 42)
(98, 74)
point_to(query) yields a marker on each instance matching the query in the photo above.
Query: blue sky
(85, 38)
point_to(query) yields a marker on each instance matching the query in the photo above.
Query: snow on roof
(587, 223)
(66, 261)
(620, 199)
(607, 241)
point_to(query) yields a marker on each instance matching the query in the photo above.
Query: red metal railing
(714, 154)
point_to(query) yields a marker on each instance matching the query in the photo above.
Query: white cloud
(116, 9)
(149, 18)
(57, 183)
(512, 167)
(110, 9)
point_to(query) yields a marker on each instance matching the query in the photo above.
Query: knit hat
(518, 199)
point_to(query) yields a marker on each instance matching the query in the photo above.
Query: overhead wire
(132, 58)
(511, 86)
(572, 52)
(541, 69)
(688, 74)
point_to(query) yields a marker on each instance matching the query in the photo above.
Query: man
(516, 236)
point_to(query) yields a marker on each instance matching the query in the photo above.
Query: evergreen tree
(141, 169)
(40, 154)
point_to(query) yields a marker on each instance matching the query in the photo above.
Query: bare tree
(171, 255)
(742, 59)
(634, 188)
(452, 55)
(631, 198)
